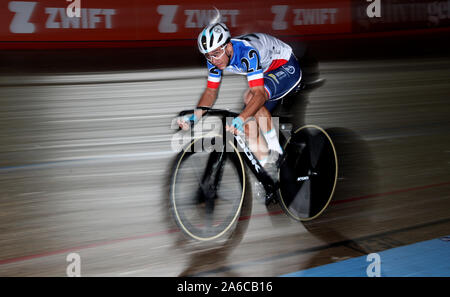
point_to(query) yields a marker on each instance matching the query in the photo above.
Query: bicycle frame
(250, 159)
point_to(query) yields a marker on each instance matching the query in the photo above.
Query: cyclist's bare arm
(259, 97)
(257, 101)
(207, 99)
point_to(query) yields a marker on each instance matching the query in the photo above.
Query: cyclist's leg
(255, 140)
(265, 123)
(278, 83)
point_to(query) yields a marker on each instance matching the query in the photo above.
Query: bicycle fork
(210, 180)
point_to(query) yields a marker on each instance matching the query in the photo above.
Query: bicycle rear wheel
(308, 173)
(207, 189)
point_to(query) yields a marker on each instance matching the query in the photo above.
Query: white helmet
(212, 37)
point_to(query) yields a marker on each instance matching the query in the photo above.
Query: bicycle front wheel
(207, 189)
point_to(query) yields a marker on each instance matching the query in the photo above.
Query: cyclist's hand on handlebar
(237, 126)
(187, 122)
(182, 124)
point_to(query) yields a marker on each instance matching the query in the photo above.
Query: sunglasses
(215, 55)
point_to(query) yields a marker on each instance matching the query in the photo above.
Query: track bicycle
(209, 179)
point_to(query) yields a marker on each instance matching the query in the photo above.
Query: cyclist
(272, 72)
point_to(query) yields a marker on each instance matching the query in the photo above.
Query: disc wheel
(308, 173)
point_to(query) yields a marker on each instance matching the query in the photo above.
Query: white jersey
(253, 54)
(270, 49)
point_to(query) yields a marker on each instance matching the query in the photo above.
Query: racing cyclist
(272, 72)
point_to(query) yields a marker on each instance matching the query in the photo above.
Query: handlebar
(211, 111)
(223, 113)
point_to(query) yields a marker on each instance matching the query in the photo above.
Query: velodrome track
(84, 160)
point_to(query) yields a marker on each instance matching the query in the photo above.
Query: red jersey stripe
(213, 85)
(275, 64)
(256, 82)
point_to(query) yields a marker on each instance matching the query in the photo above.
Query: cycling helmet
(212, 37)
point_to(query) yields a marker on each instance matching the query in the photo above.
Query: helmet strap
(229, 57)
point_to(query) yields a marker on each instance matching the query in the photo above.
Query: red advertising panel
(48, 20)
(281, 18)
(159, 21)
(118, 20)
(308, 17)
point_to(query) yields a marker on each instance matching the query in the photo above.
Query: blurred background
(87, 102)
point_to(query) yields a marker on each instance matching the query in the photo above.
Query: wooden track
(84, 162)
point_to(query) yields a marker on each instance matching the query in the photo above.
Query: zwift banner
(56, 21)
(97, 20)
